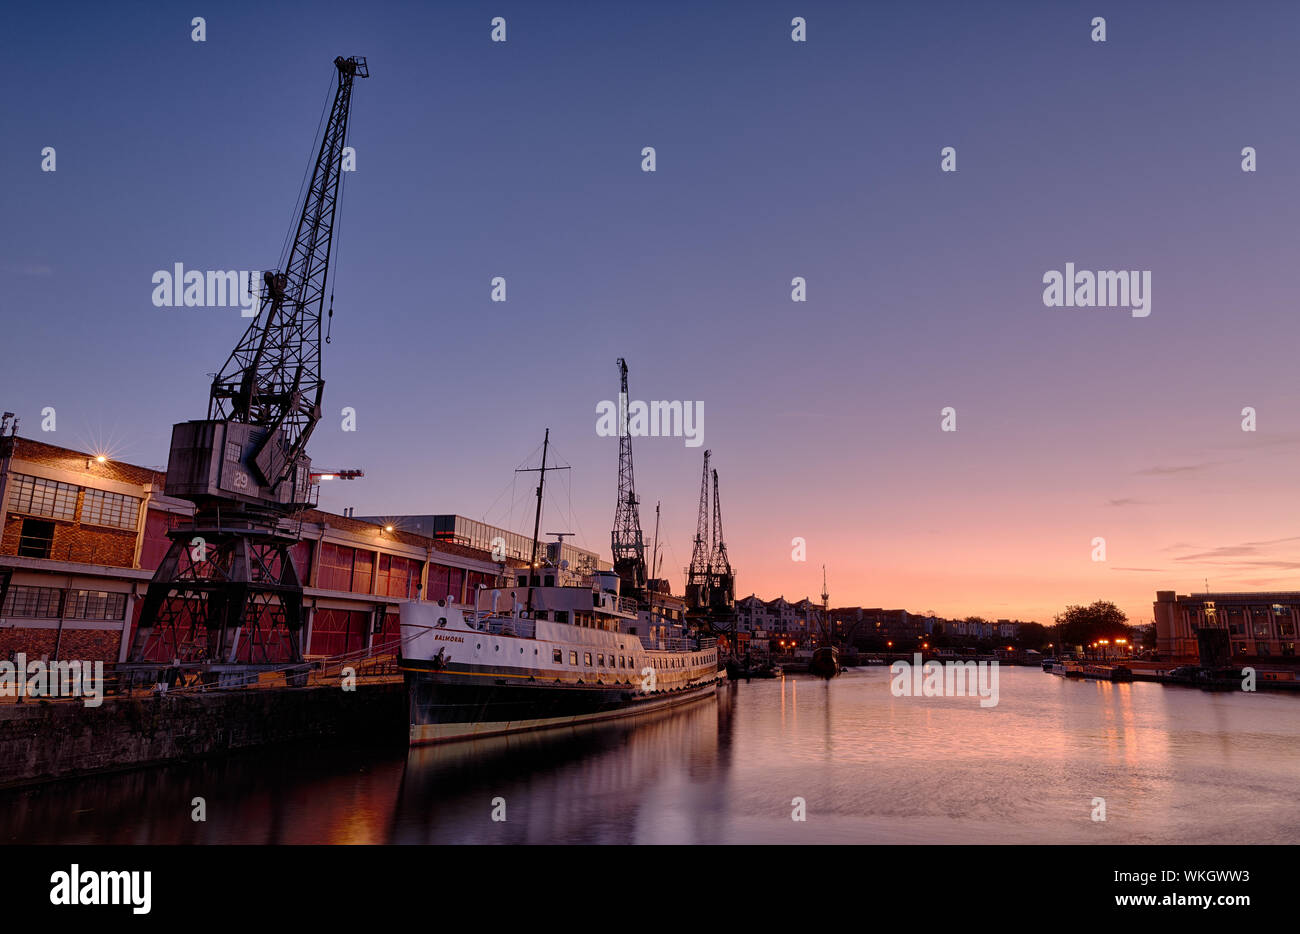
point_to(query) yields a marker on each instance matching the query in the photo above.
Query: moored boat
(825, 662)
(573, 658)
(1067, 669)
(1108, 672)
(566, 649)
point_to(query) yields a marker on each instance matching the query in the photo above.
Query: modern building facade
(483, 537)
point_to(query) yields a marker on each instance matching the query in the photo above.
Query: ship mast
(826, 610)
(537, 516)
(654, 555)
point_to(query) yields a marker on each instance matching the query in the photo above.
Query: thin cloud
(1247, 556)
(1276, 541)
(1227, 551)
(1179, 469)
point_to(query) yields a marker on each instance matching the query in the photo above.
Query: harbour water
(1174, 765)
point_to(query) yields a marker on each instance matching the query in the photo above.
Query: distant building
(481, 536)
(1261, 625)
(751, 614)
(865, 626)
(777, 619)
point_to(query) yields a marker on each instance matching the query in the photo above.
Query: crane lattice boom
(273, 378)
(628, 545)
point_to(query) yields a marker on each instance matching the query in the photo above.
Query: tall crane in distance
(698, 576)
(226, 598)
(627, 542)
(722, 582)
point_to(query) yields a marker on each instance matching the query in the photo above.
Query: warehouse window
(37, 496)
(32, 602)
(95, 604)
(99, 507)
(35, 538)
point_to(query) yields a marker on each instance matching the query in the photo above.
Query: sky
(774, 159)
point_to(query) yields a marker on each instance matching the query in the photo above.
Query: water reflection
(642, 781)
(1175, 765)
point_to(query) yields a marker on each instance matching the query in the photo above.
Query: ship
(551, 647)
(825, 661)
(576, 657)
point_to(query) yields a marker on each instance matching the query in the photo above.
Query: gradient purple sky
(775, 159)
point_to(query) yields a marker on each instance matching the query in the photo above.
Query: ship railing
(502, 625)
(671, 644)
(627, 605)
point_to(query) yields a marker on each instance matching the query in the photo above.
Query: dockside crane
(722, 581)
(627, 542)
(698, 575)
(226, 599)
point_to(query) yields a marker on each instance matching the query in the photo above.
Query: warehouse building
(83, 534)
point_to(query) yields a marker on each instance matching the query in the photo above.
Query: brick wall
(36, 452)
(83, 644)
(75, 542)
